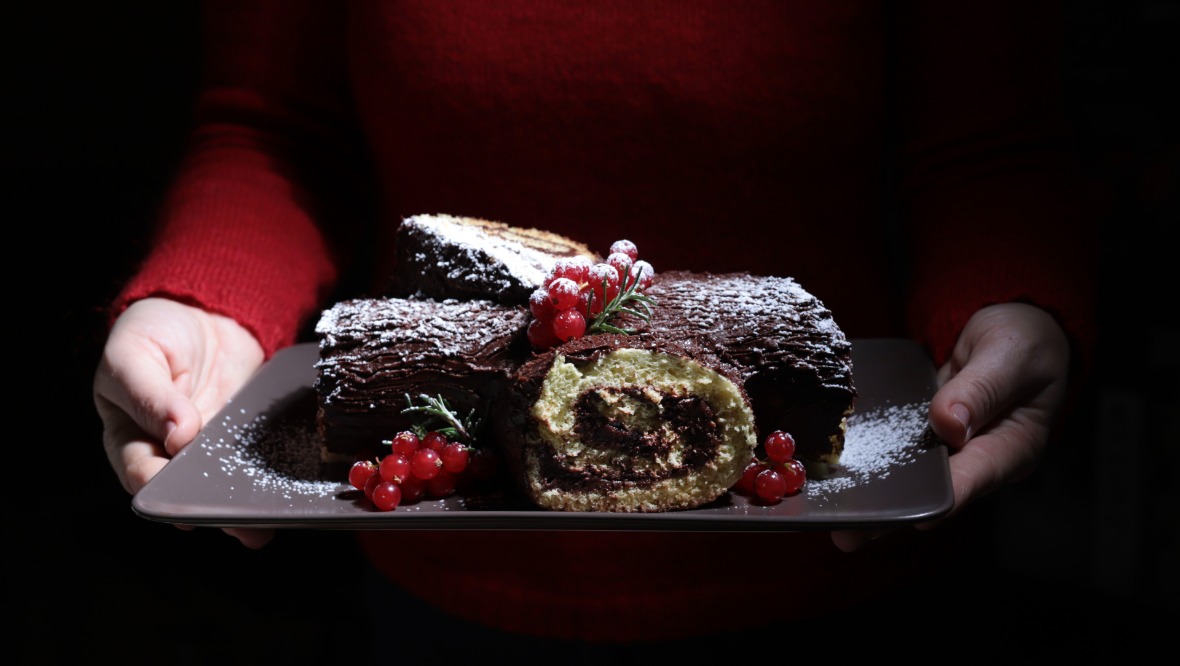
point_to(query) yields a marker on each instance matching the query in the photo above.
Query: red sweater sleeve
(239, 232)
(996, 210)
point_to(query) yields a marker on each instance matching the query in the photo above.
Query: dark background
(1076, 560)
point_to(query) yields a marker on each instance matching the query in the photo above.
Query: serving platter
(256, 464)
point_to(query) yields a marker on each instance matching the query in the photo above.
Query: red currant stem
(616, 305)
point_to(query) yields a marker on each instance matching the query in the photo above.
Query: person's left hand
(998, 397)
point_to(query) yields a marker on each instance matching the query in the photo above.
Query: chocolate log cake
(375, 351)
(448, 256)
(665, 418)
(669, 417)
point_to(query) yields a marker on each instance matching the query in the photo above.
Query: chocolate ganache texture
(790, 355)
(375, 351)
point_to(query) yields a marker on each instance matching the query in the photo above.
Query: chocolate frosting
(793, 360)
(755, 324)
(375, 351)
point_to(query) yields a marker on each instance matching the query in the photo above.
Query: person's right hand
(166, 369)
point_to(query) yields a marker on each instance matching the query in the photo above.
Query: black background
(1077, 558)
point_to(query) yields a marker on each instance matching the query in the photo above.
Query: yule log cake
(665, 417)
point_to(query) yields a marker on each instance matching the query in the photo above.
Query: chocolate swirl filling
(651, 430)
(635, 430)
(647, 435)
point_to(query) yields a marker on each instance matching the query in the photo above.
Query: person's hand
(997, 400)
(166, 369)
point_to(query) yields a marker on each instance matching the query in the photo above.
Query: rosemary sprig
(440, 417)
(629, 300)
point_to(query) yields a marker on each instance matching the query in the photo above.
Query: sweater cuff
(260, 261)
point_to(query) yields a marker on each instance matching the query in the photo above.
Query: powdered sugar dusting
(278, 456)
(450, 327)
(369, 344)
(754, 321)
(877, 442)
(526, 264)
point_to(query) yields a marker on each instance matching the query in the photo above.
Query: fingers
(134, 377)
(1007, 356)
(146, 419)
(133, 454)
(1000, 393)
(985, 387)
(1006, 453)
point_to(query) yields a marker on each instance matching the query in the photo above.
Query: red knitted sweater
(763, 136)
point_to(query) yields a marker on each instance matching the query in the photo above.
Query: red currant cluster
(776, 477)
(579, 297)
(416, 468)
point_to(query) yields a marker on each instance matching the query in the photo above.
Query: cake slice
(663, 419)
(669, 417)
(373, 352)
(449, 256)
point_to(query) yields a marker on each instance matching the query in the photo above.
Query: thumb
(987, 384)
(976, 412)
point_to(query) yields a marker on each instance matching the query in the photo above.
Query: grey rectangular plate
(256, 464)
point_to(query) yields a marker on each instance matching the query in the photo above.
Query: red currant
(455, 457)
(386, 496)
(622, 264)
(746, 483)
(442, 485)
(395, 468)
(541, 305)
(589, 304)
(770, 486)
(425, 464)
(569, 324)
(780, 446)
(625, 247)
(359, 473)
(541, 335)
(600, 274)
(644, 273)
(413, 490)
(371, 484)
(794, 474)
(571, 268)
(405, 443)
(563, 294)
(434, 440)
